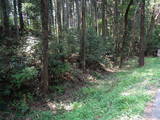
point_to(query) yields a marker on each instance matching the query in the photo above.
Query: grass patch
(122, 95)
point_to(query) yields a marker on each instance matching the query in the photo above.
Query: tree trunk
(70, 14)
(103, 19)
(20, 15)
(44, 17)
(83, 36)
(142, 34)
(51, 17)
(15, 17)
(4, 6)
(63, 13)
(116, 28)
(59, 22)
(134, 30)
(67, 12)
(122, 50)
(96, 15)
(151, 26)
(78, 14)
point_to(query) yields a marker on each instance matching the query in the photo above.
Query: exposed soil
(152, 111)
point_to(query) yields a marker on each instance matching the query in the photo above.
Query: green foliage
(5, 90)
(57, 66)
(32, 9)
(88, 91)
(21, 106)
(124, 101)
(154, 43)
(96, 47)
(10, 62)
(100, 104)
(27, 73)
(42, 115)
(60, 67)
(58, 89)
(72, 39)
(97, 75)
(67, 45)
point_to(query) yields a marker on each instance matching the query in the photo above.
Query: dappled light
(31, 42)
(79, 59)
(121, 95)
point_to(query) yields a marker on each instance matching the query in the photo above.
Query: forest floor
(123, 95)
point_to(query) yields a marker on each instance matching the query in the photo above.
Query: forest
(78, 59)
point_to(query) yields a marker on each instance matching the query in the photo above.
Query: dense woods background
(45, 44)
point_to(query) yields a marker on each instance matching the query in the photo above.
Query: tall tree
(15, 16)
(4, 6)
(142, 34)
(151, 25)
(134, 20)
(67, 12)
(95, 15)
(103, 18)
(83, 36)
(116, 27)
(63, 12)
(78, 14)
(20, 15)
(44, 17)
(70, 13)
(51, 16)
(59, 20)
(122, 55)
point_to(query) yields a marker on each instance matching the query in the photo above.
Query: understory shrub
(96, 48)
(28, 73)
(153, 44)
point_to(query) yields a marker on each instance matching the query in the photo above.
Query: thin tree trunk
(44, 76)
(122, 55)
(78, 14)
(51, 17)
(67, 12)
(142, 34)
(59, 20)
(83, 36)
(4, 4)
(15, 17)
(103, 19)
(116, 28)
(151, 26)
(28, 19)
(70, 14)
(63, 13)
(96, 16)
(20, 15)
(134, 30)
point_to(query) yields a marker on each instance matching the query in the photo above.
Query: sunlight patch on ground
(31, 41)
(125, 117)
(54, 107)
(119, 96)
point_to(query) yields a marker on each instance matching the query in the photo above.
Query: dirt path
(152, 112)
(31, 42)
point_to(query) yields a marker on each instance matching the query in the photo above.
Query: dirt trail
(153, 110)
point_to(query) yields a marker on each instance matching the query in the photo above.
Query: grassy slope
(131, 90)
